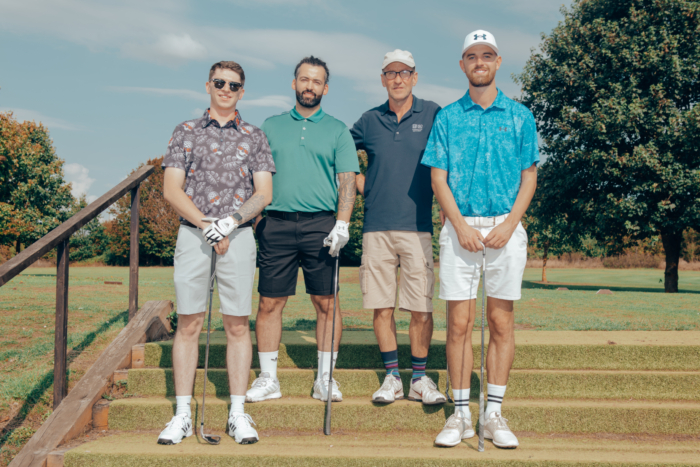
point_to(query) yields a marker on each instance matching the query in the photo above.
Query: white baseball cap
(479, 37)
(398, 55)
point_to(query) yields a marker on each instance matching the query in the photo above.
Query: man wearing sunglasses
(316, 166)
(398, 225)
(218, 176)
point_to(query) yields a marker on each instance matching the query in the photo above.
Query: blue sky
(111, 80)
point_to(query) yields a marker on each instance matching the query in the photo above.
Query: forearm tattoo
(252, 207)
(346, 192)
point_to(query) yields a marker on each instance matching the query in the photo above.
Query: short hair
(313, 61)
(227, 65)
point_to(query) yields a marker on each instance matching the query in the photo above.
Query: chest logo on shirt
(503, 128)
(417, 127)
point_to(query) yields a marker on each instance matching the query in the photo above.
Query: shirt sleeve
(529, 150)
(437, 151)
(346, 154)
(175, 155)
(263, 161)
(358, 134)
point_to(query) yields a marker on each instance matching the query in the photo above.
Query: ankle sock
(391, 362)
(495, 398)
(461, 398)
(418, 367)
(183, 405)
(325, 362)
(268, 362)
(237, 404)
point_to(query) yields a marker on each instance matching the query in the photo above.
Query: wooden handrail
(37, 249)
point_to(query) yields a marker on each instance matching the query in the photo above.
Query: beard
(481, 81)
(308, 102)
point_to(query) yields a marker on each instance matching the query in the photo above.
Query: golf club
(447, 330)
(481, 385)
(327, 426)
(211, 439)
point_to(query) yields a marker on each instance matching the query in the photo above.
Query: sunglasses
(220, 83)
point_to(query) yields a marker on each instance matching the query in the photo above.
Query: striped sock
(391, 362)
(495, 399)
(461, 398)
(418, 367)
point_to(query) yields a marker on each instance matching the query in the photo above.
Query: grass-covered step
(348, 449)
(545, 350)
(359, 414)
(538, 384)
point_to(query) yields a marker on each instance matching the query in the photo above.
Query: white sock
(268, 362)
(461, 398)
(237, 404)
(324, 362)
(183, 405)
(495, 398)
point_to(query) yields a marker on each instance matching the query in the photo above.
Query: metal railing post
(134, 253)
(60, 354)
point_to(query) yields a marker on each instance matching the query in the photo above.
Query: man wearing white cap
(483, 156)
(398, 225)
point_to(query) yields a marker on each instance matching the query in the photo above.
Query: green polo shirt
(308, 154)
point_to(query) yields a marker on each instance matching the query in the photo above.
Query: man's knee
(383, 315)
(190, 326)
(236, 327)
(323, 303)
(270, 305)
(419, 317)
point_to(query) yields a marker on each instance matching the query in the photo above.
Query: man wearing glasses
(398, 225)
(218, 176)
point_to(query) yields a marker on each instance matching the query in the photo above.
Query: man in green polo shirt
(316, 163)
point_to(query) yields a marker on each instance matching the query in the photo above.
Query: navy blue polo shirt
(398, 193)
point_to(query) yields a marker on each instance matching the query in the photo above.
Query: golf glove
(218, 229)
(338, 238)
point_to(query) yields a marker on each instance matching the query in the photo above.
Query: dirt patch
(635, 437)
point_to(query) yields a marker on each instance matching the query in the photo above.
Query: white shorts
(235, 272)
(460, 269)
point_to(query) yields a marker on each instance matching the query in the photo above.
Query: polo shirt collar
(468, 103)
(314, 118)
(416, 106)
(207, 120)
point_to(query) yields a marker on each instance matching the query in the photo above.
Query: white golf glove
(337, 238)
(218, 229)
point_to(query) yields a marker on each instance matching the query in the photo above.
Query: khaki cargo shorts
(382, 254)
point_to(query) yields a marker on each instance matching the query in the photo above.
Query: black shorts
(284, 244)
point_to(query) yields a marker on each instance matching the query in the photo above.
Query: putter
(481, 385)
(447, 330)
(211, 439)
(327, 426)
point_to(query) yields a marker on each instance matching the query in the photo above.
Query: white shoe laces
(429, 382)
(454, 421)
(501, 423)
(245, 418)
(177, 420)
(324, 382)
(388, 384)
(260, 382)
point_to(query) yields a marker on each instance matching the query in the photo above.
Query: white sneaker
(496, 429)
(321, 390)
(425, 390)
(240, 429)
(263, 388)
(391, 390)
(456, 429)
(178, 428)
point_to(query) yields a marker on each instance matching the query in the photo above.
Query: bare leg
(420, 331)
(459, 342)
(324, 322)
(268, 323)
(385, 329)
(186, 352)
(501, 352)
(239, 353)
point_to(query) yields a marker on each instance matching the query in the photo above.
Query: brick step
(556, 384)
(565, 350)
(348, 449)
(359, 414)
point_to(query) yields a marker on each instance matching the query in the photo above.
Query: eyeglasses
(404, 74)
(219, 84)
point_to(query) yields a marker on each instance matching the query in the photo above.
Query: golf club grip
(329, 390)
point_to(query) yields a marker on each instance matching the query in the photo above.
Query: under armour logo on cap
(479, 37)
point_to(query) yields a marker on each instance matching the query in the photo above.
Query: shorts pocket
(363, 278)
(429, 281)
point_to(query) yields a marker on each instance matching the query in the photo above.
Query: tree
(351, 254)
(90, 240)
(158, 224)
(34, 197)
(613, 90)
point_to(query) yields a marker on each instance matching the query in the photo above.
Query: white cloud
(50, 122)
(79, 177)
(169, 49)
(182, 93)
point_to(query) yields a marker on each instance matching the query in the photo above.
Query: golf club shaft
(327, 426)
(206, 353)
(482, 383)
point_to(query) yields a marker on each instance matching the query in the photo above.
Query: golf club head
(211, 439)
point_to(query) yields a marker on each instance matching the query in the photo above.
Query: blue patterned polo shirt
(483, 152)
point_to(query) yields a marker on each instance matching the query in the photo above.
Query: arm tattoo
(346, 193)
(252, 207)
